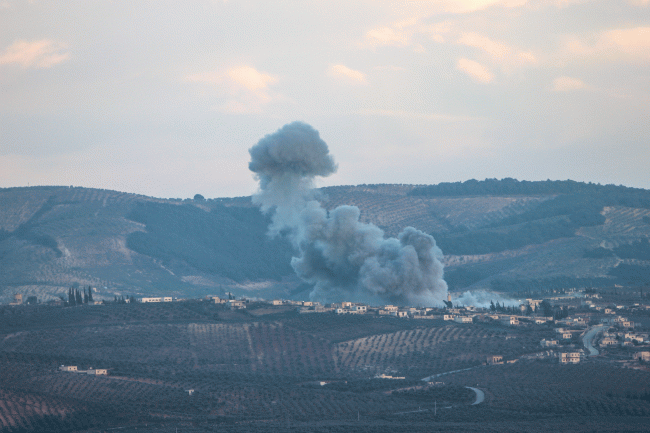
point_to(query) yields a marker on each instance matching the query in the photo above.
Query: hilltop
(501, 235)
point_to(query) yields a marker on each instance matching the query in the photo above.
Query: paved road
(480, 395)
(588, 339)
(433, 376)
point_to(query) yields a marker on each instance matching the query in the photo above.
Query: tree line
(77, 297)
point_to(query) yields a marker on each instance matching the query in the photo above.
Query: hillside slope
(502, 235)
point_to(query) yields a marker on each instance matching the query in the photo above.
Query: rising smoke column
(342, 257)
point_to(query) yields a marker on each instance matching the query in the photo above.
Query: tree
(79, 300)
(85, 296)
(90, 295)
(492, 306)
(199, 197)
(547, 308)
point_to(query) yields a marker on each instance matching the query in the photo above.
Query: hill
(502, 235)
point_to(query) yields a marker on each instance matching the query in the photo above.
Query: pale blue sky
(165, 98)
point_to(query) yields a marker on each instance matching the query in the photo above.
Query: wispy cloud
(402, 33)
(245, 88)
(44, 53)
(349, 75)
(567, 84)
(417, 115)
(475, 70)
(630, 44)
(505, 57)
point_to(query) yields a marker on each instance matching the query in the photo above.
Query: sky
(164, 98)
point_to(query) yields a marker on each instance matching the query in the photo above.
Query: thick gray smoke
(342, 257)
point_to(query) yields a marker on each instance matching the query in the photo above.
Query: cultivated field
(282, 371)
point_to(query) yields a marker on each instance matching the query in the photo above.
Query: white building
(147, 300)
(642, 356)
(68, 368)
(570, 358)
(235, 305)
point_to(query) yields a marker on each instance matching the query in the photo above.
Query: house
(548, 343)
(276, 302)
(497, 359)
(384, 376)
(68, 368)
(512, 320)
(148, 300)
(567, 335)
(642, 356)
(448, 317)
(167, 299)
(359, 308)
(235, 305)
(307, 304)
(463, 319)
(97, 371)
(390, 308)
(570, 358)
(633, 337)
(608, 341)
(399, 313)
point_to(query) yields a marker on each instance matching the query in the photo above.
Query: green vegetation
(598, 253)
(621, 195)
(497, 240)
(633, 275)
(227, 241)
(548, 285)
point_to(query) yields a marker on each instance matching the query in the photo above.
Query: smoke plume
(342, 257)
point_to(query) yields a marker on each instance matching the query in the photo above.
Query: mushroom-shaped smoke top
(342, 257)
(285, 163)
(296, 150)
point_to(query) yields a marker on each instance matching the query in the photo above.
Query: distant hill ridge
(495, 234)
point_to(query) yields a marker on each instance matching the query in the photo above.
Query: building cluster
(158, 299)
(91, 371)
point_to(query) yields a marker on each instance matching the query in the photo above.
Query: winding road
(588, 339)
(480, 395)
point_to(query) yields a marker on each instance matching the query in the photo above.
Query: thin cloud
(468, 6)
(500, 54)
(567, 84)
(245, 88)
(44, 53)
(475, 70)
(388, 36)
(347, 74)
(417, 115)
(631, 44)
